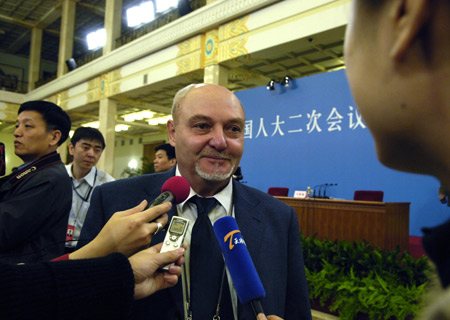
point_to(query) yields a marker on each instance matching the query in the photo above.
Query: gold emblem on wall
(189, 46)
(233, 29)
(233, 48)
(211, 48)
(188, 64)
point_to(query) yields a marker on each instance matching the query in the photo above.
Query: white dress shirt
(188, 210)
(81, 196)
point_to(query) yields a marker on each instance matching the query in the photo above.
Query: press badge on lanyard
(70, 232)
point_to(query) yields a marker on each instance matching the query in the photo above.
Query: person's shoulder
(55, 171)
(146, 180)
(55, 175)
(104, 177)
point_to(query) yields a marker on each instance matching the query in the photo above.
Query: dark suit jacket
(269, 227)
(34, 209)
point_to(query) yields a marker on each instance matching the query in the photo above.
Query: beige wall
(126, 151)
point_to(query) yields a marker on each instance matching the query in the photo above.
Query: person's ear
(56, 136)
(173, 162)
(410, 17)
(71, 148)
(171, 132)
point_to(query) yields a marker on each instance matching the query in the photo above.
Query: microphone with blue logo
(240, 265)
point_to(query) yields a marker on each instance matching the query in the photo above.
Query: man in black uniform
(35, 200)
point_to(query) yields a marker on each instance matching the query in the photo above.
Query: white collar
(89, 178)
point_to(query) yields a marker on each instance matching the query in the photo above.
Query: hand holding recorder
(129, 231)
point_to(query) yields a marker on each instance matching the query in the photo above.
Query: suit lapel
(248, 217)
(250, 223)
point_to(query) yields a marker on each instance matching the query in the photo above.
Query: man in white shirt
(207, 132)
(86, 147)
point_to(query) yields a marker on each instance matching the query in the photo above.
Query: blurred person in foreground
(99, 288)
(404, 46)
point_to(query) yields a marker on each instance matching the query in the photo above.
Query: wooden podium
(385, 224)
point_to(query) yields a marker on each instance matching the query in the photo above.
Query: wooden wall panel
(385, 224)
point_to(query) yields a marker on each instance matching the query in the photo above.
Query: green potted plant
(357, 281)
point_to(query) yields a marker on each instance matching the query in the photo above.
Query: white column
(113, 18)
(107, 119)
(66, 35)
(35, 57)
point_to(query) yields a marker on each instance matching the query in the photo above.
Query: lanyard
(87, 195)
(188, 306)
(85, 198)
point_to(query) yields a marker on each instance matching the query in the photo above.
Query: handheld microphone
(237, 258)
(175, 190)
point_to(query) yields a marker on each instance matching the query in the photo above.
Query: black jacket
(85, 289)
(35, 204)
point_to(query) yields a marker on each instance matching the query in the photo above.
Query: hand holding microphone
(175, 190)
(128, 231)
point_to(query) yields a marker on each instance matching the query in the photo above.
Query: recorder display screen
(177, 226)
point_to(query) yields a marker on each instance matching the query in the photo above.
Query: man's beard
(215, 176)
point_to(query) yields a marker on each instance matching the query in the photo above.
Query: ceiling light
(132, 164)
(138, 15)
(163, 5)
(121, 127)
(147, 11)
(271, 85)
(160, 120)
(129, 117)
(286, 81)
(96, 39)
(146, 114)
(96, 125)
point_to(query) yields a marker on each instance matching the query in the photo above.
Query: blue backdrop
(311, 133)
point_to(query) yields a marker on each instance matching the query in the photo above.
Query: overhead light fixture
(158, 121)
(121, 127)
(96, 39)
(96, 125)
(145, 114)
(143, 13)
(271, 85)
(163, 5)
(132, 164)
(286, 81)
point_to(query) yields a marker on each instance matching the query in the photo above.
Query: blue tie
(206, 267)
